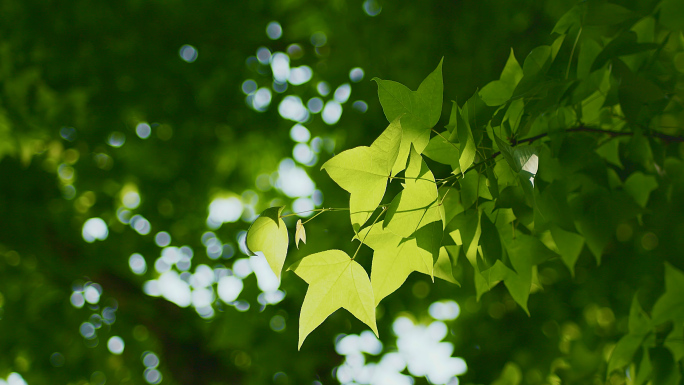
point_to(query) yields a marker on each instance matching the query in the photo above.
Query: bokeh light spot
(143, 130)
(95, 229)
(188, 53)
(115, 345)
(332, 112)
(356, 74)
(274, 31)
(372, 8)
(342, 93)
(360, 106)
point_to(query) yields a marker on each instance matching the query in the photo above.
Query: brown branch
(581, 128)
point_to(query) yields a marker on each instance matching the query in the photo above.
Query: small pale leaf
(300, 233)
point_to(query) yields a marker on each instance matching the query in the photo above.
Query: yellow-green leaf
(300, 233)
(268, 234)
(335, 281)
(420, 110)
(416, 205)
(395, 258)
(363, 171)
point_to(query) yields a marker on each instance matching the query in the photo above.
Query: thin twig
(371, 227)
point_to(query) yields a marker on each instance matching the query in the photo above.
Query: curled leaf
(268, 234)
(300, 233)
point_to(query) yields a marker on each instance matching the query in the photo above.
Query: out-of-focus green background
(155, 131)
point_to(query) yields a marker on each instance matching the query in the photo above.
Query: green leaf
(510, 375)
(665, 369)
(535, 67)
(524, 252)
(467, 142)
(674, 341)
(604, 13)
(420, 111)
(443, 151)
(507, 152)
(268, 234)
(624, 351)
(572, 18)
(451, 203)
(473, 185)
(672, 14)
(589, 50)
(500, 91)
(553, 207)
(610, 151)
(444, 267)
(639, 327)
(485, 280)
(465, 230)
(335, 281)
(569, 245)
(394, 257)
(670, 306)
(640, 186)
(363, 172)
(639, 323)
(416, 205)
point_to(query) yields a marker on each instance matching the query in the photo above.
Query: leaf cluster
(546, 162)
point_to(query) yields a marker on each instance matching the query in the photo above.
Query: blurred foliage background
(139, 138)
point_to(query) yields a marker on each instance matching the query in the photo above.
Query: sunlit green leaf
(268, 234)
(364, 171)
(466, 141)
(394, 257)
(500, 91)
(442, 151)
(335, 281)
(473, 185)
(420, 110)
(416, 205)
(444, 267)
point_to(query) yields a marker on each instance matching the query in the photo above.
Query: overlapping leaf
(420, 111)
(670, 306)
(417, 204)
(525, 252)
(363, 171)
(500, 91)
(394, 257)
(335, 281)
(268, 234)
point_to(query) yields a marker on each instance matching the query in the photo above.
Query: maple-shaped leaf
(420, 111)
(300, 233)
(395, 258)
(363, 171)
(335, 281)
(268, 234)
(417, 204)
(500, 91)
(525, 252)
